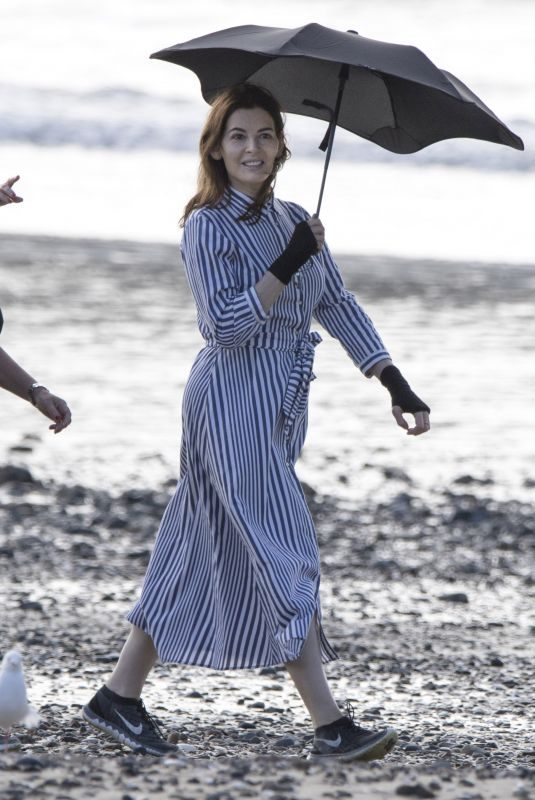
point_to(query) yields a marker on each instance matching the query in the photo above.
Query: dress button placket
(298, 289)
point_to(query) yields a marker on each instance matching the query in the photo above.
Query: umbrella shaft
(342, 78)
(332, 130)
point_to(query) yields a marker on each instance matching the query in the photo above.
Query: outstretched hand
(54, 408)
(422, 423)
(7, 193)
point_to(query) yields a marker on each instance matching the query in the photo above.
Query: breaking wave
(119, 118)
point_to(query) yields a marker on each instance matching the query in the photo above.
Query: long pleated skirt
(234, 577)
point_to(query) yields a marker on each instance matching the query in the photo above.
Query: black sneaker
(346, 741)
(128, 722)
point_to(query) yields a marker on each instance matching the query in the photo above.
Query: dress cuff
(370, 362)
(256, 306)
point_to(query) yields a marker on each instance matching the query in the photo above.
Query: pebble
(286, 741)
(13, 474)
(251, 738)
(521, 791)
(454, 597)
(29, 763)
(186, 749)
(414, 790)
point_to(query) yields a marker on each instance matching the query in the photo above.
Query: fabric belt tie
(296, 396)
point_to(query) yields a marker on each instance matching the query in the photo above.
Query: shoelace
(349, 713)
(151, 723)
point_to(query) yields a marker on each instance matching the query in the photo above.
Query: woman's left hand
(422, 423)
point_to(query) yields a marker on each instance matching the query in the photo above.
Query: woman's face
(248, 148)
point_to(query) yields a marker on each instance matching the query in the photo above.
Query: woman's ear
(216, 155)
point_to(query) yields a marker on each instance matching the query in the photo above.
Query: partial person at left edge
(12, 376)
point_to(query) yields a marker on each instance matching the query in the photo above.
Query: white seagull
(14, 707)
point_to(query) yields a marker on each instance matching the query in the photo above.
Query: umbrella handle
(325, 141)
(342, 78)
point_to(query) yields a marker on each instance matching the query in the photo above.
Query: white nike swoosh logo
(331, 742)
(136, 729)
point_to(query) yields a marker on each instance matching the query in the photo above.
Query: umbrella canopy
(390, 94)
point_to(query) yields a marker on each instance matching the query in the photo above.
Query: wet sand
(430, 605)
(111, 326)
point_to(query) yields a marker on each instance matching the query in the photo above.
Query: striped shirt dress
(233, 580)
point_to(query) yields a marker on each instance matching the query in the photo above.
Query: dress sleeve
(231, 314)
(341, 316)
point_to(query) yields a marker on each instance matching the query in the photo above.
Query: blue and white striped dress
(234, 577)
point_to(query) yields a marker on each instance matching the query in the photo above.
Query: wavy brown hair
(212, 181)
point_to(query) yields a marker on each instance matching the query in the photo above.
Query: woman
(234, 577)
(12, 376)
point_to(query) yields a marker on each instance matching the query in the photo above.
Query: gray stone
(414, 790)
(11, 474)
(454, 597)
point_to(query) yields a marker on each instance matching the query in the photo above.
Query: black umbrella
(390, 94)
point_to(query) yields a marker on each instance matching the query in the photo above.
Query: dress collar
(240, 202)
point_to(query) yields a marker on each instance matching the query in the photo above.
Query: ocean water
(105, 138)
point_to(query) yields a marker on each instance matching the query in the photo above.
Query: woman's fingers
(55, 409)
(64, 415)
(400, 419)
(7, 195)
(316, 226)
(422, 423)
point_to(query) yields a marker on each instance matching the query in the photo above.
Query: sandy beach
(429, 605)
(427, 546)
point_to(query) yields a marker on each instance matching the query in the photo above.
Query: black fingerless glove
(299, 249)
(400, 391)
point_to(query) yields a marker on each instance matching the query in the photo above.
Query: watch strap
(32, 390)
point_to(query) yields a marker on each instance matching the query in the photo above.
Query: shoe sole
(116, 734)
(373, 752)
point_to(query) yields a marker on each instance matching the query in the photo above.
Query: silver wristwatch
(31, 391)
